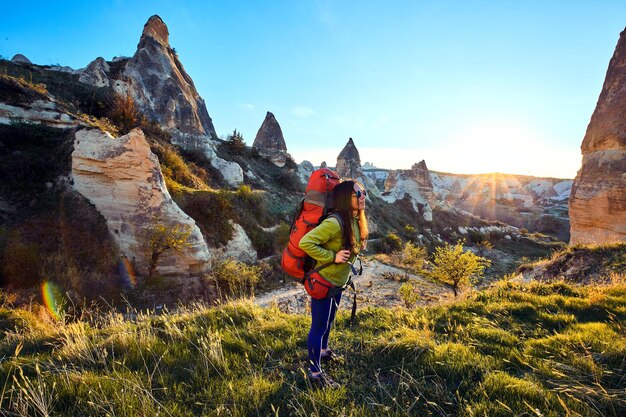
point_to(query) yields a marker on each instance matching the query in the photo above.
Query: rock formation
(349, 166)
(349, 161)
(96, 73)
(122, 178)
(269, 141)
(164, 91)
(19, 58)
(597, 204)
(415, 183)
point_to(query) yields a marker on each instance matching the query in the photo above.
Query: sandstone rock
(240, 246)
(323, 165)
(122, 178)
(162, 89)
(597, 204)
(349, 161)
(96, 73)
(21, 59)
(269, 141)
(38, 112)
(416, 184)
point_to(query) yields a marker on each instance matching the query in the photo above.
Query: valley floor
(378, 286)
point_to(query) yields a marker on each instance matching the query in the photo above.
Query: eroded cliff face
(597, 204)
(415, 183)
(122, 178)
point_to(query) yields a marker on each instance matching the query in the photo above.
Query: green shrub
(236, 278)
(456, 267)
(408, 294)
(235, 143)
(413, 256)
(159, 238)
(173, 166)
(211, 211)
(391, 243)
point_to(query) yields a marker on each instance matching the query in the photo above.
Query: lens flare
(52, 299)
(127, 272)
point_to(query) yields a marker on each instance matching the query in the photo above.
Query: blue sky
(469, 86)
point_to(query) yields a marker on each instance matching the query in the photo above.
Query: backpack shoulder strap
(336, 215)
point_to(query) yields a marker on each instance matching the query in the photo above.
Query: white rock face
(400, 183)
(240, 246)
(369, 185)
(96, 73)
(122, 178)
(39, 112)
(231, 171)
(304, 171)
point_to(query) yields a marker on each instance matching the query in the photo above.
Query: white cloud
(247, 106)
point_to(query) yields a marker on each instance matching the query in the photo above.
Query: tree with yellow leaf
(159, 238)
(456, 267)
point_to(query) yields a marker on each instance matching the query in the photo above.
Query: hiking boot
(331, 356)
(322, 380)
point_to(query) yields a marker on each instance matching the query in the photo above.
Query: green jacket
(323, 242)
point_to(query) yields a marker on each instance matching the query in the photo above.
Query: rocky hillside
(533, 203)
(581, 264)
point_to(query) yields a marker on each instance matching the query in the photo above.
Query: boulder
(269, 141)
(122, 178)
(231, 171)
(597, 204)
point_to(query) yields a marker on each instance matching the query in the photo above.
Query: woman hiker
(326, 243)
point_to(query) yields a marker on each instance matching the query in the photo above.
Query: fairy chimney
(161, 88)
(349, 161)
(269, 141)
(597, 204)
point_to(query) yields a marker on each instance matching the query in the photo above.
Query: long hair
(342, 199)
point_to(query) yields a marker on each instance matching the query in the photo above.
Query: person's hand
(342, 256)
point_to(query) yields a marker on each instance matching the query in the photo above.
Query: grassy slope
(541, 349)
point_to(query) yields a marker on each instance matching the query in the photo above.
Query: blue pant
(322, 315)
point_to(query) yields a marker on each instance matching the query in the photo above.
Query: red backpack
(313, 208)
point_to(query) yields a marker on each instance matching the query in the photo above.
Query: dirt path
(376, 287)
